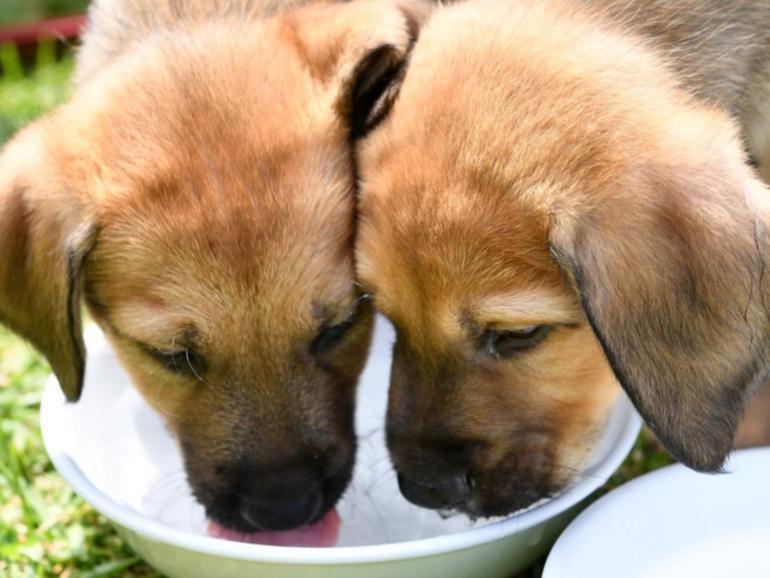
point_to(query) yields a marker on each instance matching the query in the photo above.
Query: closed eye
(332, 335)
(329, 337)
(184, 361)
(505, 344)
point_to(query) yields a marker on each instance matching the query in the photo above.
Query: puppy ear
(376, 69)
(671, 269)
(372, 87)
(362, 48)
(43, 244)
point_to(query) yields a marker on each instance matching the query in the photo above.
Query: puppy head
(561, 214)
(199, 195)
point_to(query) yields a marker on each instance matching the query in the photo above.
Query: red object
(66, 28)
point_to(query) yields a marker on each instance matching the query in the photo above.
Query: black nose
(249, 496)
(442, 492)
(285, 512)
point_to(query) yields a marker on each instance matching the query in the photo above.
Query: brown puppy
(197, 193)
(551, 201)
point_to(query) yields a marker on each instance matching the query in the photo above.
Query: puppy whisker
(191, 366)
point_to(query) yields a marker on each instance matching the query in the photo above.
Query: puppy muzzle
(442, 493)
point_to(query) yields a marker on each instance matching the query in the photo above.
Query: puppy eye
(503, 344)
(330, 337)
(183, 361)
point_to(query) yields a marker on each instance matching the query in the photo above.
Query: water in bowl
(125, 450)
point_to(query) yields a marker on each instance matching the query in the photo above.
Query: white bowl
(674, 523)
(117, 454)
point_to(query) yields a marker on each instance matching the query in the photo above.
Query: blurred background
(36, 37)
(45, 529)
(13, 11)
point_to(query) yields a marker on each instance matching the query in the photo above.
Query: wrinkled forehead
(442, 258)
(221, 264)
(220, 188)
(463, 177)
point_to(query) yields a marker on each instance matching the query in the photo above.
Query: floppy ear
(671, 271)
(362, 48)
(43, 244)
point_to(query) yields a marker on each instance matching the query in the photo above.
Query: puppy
(559, 202)
(197, 193)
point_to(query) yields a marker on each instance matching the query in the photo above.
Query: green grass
(45, 529)
(27, 10)
(26, 95)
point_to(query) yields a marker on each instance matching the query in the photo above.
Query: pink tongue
(323, 534)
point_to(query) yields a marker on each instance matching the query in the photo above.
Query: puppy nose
(292, 510)
(442, 492)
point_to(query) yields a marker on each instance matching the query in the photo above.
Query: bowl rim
(131, 520)
(675, 476)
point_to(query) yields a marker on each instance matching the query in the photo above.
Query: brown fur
(719, 51)
(547, 164)
(198, 192)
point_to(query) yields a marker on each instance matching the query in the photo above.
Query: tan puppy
(197, 192)
(554, 200)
